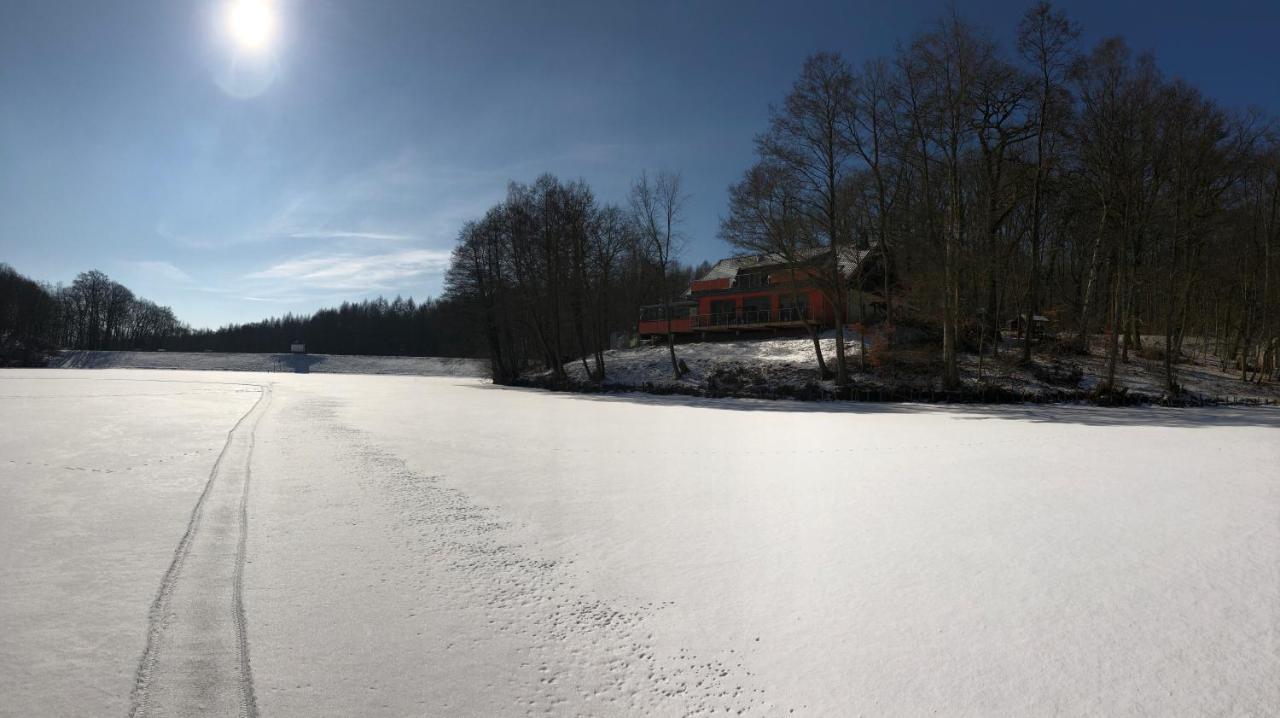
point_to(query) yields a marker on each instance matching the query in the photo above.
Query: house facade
(753, 292)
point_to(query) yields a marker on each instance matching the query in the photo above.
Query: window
(793, 309)
(723, 311)
(755, 310)
(657, 313)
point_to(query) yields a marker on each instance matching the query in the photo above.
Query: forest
(96, 312)
(399, 327)
(551, 273)
(1042, 179)
(93, 312)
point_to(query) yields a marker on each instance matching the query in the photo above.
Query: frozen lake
(308, 544)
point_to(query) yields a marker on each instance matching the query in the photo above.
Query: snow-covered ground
(785, 360)
(441, 546)
(790, 361)
(294, 363)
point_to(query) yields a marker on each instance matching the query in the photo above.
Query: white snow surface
(295, 363)
(441, 546)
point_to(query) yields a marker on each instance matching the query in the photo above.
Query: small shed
(297, 347)
(1039, 325)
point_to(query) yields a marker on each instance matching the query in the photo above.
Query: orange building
(753, 292)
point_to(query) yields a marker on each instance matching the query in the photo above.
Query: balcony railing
(753, 317)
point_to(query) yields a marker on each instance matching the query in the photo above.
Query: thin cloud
(406, 197)
(356, 272)
(342, 234)
(156, 269)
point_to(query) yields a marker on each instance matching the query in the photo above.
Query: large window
(724, 311)
(793, 309)
(657, 312)
(755, 310)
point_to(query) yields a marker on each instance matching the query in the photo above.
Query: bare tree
(657, 206)
(612, 236)
(1000, 126)
(765, 217)
(118, 303)
(478, 279)
(1046, 41)
(872, 130)
(807, 136)
(1119, 149)
(941, 70)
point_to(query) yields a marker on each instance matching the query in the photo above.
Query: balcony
(754, 319)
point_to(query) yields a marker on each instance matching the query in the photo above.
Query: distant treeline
(400, 327)
(93, 312)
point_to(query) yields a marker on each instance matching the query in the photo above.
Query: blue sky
(342, 165)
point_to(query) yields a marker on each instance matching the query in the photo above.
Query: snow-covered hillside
(781, 360)
(295, 363)
(783, 365)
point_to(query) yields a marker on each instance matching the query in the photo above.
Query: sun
(251, 24)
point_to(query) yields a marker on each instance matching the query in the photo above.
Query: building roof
(850, 258)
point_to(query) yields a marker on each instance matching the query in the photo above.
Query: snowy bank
(291, 363)
(786, 368)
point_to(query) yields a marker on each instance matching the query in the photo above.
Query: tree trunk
(950, 376)
(671, 335)
(1033, 286)
(823, 372)
(862, 335)
(1113, 337)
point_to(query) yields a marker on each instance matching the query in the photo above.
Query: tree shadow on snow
(85, 359)
(298, 363)
(1154, 416)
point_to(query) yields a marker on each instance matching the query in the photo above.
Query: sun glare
(251, 23)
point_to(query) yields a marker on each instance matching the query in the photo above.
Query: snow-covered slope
(784, 360)
(294, 363)
(789, 363)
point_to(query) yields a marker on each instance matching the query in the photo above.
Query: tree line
(1045, 178)
(96, 313)
(381, 327)
(93, 312)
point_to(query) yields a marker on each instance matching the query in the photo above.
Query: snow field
(442, 546)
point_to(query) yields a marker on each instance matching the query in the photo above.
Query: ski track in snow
(188, 666)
